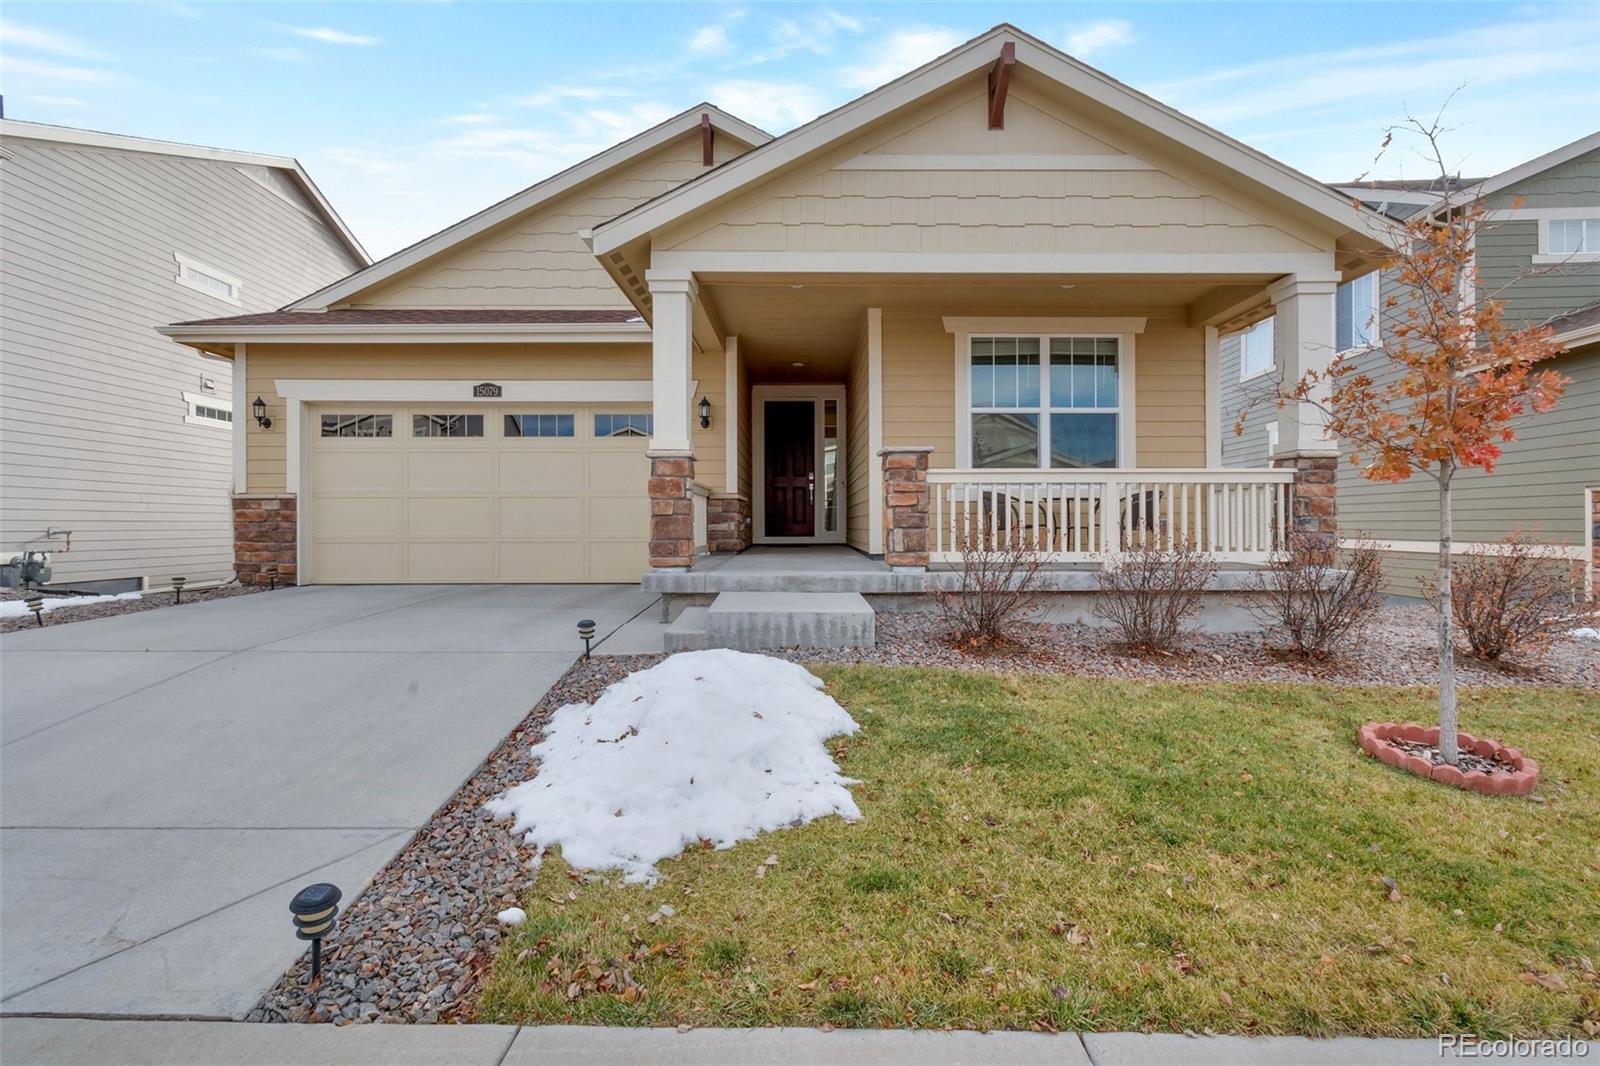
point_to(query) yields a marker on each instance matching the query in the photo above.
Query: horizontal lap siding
(1249, 447)
(538, 259)
(265, 364)
(710, 445)
(92, 426)
(1169, 394)
(833, 204)
(1538, 484)
(919, 392)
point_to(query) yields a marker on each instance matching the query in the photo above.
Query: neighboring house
(987, 292)
(1540, 255)
(116, 443)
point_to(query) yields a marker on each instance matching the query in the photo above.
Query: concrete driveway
(168, 779)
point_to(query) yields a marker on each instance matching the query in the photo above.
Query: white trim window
(1356, 314)
(1060, 412)
(1255, 350)
(201, 277)
(1571, 237)
(206, 410)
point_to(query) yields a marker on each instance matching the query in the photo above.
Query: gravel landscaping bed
(414, 946)
(1399, 649)
(150, 601)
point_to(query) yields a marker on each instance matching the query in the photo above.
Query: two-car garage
(440, 493)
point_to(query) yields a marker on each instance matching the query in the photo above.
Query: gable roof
(41, 131)
(1536, 165)
(965, 61)
(529, 198)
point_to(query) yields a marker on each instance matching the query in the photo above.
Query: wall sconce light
(315, 909)
(705, 413)
(259, 409)
(586, 631)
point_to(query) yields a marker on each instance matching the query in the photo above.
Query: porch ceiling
(816, 319)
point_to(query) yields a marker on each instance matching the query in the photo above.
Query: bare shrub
(1513, 599)
(1317, 597)
(1147, 591)
(1000, 584)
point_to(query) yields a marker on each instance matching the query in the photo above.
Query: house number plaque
(487, 390)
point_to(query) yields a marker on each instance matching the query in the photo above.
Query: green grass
(1066, 854)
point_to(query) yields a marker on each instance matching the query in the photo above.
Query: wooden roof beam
(999, 83)
(707, 140)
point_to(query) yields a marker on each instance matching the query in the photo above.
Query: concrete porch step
(756, 621)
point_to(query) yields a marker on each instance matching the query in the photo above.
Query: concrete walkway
(169, 778)
(46, 1041)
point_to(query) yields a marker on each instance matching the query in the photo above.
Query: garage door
(478, 494)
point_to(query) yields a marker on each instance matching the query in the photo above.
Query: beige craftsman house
(987, 294)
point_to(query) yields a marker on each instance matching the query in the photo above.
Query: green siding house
(1540, 255)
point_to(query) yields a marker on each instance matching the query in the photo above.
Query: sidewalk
(81, 1042)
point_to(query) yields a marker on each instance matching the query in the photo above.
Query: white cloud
(39, 39)
(817, 33)
(472, 118)
(282, 55)
(709, 40)
(904, 51)
(44, 100)
(572, 92)
(328, 35)
(23, 68)
(1083, 41)
(770, 105)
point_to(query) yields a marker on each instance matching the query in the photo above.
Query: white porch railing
(699, 495)
(1239, 516)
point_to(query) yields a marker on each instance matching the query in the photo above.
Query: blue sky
(412, 116)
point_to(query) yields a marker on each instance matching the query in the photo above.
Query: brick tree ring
(1490, 767)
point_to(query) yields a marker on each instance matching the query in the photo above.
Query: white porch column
(1303, 305)
(671, 358)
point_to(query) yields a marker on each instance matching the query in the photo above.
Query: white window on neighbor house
(207, 279)
(1577, 238)
(203, 410)
(1272, 439)
(1255, 349)
(1057, 412)
(1356, 313)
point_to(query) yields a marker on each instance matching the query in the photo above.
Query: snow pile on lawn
(1586, 633)
(707, 745)
(18, 608)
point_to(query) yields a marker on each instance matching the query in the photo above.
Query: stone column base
(671, 510)
(264, 540)
(1315, 503)
(728, 522)
(905, 506)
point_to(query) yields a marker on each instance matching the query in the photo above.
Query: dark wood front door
(791, 450)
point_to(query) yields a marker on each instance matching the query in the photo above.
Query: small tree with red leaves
(1442, 386)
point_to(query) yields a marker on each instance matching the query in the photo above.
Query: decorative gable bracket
(707, 140)
(999, 83)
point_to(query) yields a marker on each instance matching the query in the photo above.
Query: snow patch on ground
(512, 916)
(707, 745)
(19, 608)
(1586, 633)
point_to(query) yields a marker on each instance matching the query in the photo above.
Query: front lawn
(1056, 853)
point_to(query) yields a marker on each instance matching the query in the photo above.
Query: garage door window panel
(624, 425)
(541, 425)
(449, 426)
(358, 425)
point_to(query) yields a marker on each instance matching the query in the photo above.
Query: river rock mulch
(413, 947)
(150, 601)
(1399, 648)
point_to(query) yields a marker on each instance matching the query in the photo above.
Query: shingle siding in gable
(92, 430)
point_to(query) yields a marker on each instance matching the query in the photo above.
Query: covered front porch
(1078, 415)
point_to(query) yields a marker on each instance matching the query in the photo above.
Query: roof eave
(525, 200)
